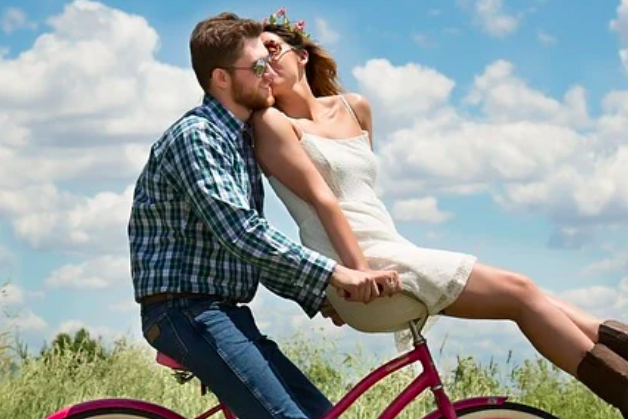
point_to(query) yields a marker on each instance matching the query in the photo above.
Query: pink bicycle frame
(429, 378)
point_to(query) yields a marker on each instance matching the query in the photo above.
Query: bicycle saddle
(166, 361)
(382, 315)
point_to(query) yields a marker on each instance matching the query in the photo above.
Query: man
(200, 245)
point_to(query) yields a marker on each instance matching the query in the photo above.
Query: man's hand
(364, 286)
(328, 312)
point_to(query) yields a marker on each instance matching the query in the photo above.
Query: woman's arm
(280, 154)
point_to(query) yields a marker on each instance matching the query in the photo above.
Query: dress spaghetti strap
(350, 109)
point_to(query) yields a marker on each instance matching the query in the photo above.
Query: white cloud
(613, 264)
(616, 103)
(65, 221)
(326, 35)
(620, 25)
(493, 19)
(12, 134)
(33, 198)
(441, 153)
(605, 302)
(409, 90)
(527, 149)
(423, 210)
(110, 100)
(72, 326)
(99, 273)
(594, 191)
(10, 294)
(623, 56)
(13, 19)
(596, 297)
(546, 39)
(613, 124)
(506, 97)
(54, 164)
(106, 79)
(26, 320)
(110, 95)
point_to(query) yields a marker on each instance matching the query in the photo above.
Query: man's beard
(252, 99)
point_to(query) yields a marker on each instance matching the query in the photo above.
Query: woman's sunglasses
(277, 50)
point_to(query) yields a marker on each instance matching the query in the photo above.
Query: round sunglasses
(278, 50)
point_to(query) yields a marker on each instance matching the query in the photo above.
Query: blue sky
(500, 128)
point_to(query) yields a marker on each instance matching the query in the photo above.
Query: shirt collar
(231, 124)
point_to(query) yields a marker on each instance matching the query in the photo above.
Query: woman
(315, 146)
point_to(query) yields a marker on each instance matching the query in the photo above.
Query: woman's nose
(270, 72)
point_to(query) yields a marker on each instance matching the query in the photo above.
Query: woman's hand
(364, 286)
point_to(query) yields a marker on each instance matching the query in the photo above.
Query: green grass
(36, 387)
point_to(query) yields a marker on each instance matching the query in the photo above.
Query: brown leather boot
(614, 335)
(606, 374)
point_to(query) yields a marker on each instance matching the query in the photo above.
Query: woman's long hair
(321, 69)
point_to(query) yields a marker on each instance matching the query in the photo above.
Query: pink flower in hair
(281, 12)
(300, 25)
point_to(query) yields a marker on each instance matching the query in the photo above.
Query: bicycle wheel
(116, 413)
(506, 410)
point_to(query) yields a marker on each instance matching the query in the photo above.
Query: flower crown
(279, 18)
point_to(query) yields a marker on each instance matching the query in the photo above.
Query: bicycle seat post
(417, 337)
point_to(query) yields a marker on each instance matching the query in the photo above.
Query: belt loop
(179, 301)
(171, 300)
(184, 302)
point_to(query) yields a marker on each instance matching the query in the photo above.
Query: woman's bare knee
(495, 293)
(522, 291)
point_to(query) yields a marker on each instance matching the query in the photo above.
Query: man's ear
(220, 78)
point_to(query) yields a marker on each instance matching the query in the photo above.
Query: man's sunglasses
(259, 67)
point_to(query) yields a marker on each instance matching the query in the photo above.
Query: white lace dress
(433, 277)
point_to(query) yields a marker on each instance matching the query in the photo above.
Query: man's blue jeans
(220, 343)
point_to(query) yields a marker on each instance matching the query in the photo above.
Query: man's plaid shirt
(196, 224)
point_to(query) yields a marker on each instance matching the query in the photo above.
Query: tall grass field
(33, 386)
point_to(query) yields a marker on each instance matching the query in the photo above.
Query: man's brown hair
(217, 42)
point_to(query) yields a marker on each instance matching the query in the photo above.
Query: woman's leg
(611, 333)
(586, 322)
(493, 293)
(562, 338)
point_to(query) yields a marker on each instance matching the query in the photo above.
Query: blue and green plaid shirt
(196, 224)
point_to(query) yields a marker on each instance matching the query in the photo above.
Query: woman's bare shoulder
(268, 116)
(359, 103)
(272, 125)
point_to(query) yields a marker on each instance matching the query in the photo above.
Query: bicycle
(489, 407)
